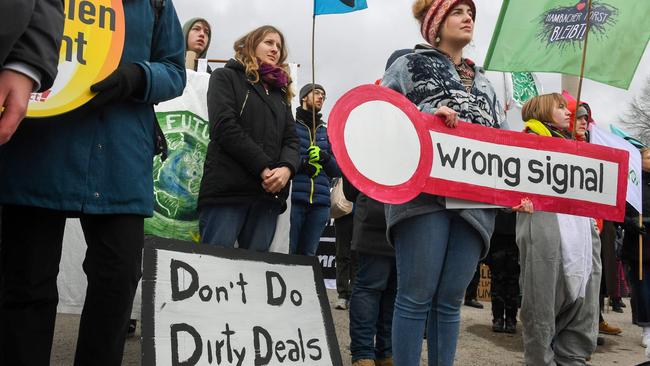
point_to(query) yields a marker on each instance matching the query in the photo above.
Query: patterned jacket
(429, 79)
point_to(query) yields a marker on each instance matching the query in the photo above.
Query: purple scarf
(273, 76)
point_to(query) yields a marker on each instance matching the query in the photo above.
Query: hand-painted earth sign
(176, 180)
(93, 39)
(206, 305)
(393, 152)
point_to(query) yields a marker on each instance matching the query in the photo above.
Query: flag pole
(640, 249)
(582, 68)
(506, 102)
(312, 135)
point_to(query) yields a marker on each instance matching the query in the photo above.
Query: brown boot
(605, 328)
(388, 361)
(363, 362)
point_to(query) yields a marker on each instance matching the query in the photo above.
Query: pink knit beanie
(437, 14)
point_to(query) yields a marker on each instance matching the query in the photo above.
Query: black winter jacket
(250, 129)
(31, 34)
(369, 226)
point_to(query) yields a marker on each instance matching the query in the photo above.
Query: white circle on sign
(382, 143)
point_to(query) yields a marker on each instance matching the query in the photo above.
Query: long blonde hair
(245, 53)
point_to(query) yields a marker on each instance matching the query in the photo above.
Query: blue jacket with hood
(99, 160)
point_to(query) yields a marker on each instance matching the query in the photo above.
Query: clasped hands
(273, 180)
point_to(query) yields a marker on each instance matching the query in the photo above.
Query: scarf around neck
(274, 76)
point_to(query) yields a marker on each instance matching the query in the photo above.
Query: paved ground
(477, 344)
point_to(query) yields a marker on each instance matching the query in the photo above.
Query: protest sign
(176, 181)
(392, 152)
(91, 49)
(206, 305)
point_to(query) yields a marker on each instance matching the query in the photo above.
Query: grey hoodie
(186, 31)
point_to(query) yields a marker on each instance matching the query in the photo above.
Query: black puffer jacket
(250, 130)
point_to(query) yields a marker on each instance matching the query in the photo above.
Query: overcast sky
(351, 49)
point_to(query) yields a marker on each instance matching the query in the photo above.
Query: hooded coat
(100, 160)
(186, 32)
(250, 129)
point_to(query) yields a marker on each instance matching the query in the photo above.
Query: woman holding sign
(437, 249)
(559, 255)
(253, 149)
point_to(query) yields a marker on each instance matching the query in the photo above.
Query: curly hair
(245, 53)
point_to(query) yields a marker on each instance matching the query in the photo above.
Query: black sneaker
(617, 304)
(498, 325)
(511, 326)
(473, 303)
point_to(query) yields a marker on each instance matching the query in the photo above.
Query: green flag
(524, 87)
(549, 35)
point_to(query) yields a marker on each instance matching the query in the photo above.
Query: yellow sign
(93, 39)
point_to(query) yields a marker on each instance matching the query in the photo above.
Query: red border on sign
(421, 181)
(390, 194)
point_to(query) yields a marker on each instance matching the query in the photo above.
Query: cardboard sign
(392, 152)
(176, 181)
(91, 48)
(206, 305)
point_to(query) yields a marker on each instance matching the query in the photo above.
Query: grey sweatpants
(556, 330)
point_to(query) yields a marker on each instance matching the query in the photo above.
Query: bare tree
(638, 117)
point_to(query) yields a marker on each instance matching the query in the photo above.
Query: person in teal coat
(94, 163)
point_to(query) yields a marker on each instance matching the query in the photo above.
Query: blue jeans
(251, 224)
(436, 256)
(307, 224)
(371, 307)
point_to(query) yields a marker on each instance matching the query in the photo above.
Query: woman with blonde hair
(253, 149)
(437, 249)
(559, 255)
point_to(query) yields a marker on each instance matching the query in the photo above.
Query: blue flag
(338, 6)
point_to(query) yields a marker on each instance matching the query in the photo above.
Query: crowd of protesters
(403, 270)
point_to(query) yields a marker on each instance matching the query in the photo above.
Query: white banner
(602, 137)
